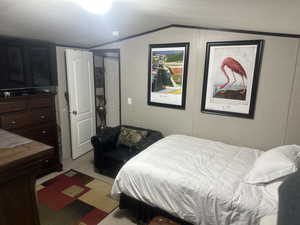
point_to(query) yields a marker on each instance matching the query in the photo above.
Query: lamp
(95, 6)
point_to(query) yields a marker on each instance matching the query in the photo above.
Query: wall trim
(200, 28)
(71, 46)
(240, 31)
(131, 36)
(41, 41)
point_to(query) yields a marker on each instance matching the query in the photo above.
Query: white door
(80, 76)
(112, 91)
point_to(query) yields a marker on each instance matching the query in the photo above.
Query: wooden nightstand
(19, 167)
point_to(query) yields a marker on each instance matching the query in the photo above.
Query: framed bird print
(231, 77)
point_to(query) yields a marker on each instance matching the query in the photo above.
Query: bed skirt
(143, 213)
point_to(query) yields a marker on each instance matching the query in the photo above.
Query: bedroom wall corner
(268, 129)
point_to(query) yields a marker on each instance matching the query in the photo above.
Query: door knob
(74, 112)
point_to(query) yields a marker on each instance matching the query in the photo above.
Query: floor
(85, 165)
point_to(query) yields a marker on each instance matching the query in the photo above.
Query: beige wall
(293, 128)
(275, 123)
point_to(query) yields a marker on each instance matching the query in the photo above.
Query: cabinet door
(3, 67)
(39, 66)
(15, 66)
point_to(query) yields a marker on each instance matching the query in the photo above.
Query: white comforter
(197, 180)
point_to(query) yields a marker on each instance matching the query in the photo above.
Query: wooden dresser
(20, 163)
(34, 117)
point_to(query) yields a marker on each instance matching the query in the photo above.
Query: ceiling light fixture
(95, 6)
(115, 33)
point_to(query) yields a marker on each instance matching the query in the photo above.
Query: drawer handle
(13, 122)
(46, 161)
(44, 132)
(42, 117)
(5, 103)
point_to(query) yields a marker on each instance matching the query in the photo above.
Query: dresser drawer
(12, 106)
(40, 102)
(33, 116)
(50, 140)
(42, 115)
(47, 163)
(44, 133)
(15, 120)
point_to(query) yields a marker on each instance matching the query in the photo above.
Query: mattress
(197, 180)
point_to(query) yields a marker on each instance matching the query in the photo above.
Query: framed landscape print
(231, 77)
(167, 74)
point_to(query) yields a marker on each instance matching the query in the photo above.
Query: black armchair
(109, 157)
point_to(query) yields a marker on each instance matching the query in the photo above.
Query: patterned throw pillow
(130, 137)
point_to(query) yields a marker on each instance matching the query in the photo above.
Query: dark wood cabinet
(33, 117)
(12, 67)
(29, 65)
(15, 65)
(25, 64)
(39, 58)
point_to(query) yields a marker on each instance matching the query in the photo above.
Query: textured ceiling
(63, 22)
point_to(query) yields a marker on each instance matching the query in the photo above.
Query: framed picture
(167, 76)
(231, 77)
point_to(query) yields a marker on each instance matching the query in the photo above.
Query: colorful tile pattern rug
(74, 198)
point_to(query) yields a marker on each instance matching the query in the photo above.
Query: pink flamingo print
(235, 67)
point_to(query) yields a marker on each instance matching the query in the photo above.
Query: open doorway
(107, 87)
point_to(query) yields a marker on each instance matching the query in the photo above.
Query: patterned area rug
(74, 198)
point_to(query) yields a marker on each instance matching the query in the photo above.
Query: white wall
(277, 114)
(293, 128)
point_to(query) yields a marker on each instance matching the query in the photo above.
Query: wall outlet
(129, 100)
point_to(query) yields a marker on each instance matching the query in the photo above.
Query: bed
(197, 180)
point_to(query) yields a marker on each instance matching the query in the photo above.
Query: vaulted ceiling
(63, 22)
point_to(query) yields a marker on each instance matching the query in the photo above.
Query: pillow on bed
(271, 190)
(274, 164)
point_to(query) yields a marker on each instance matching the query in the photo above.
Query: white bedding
(269, 220)
(197, 180)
